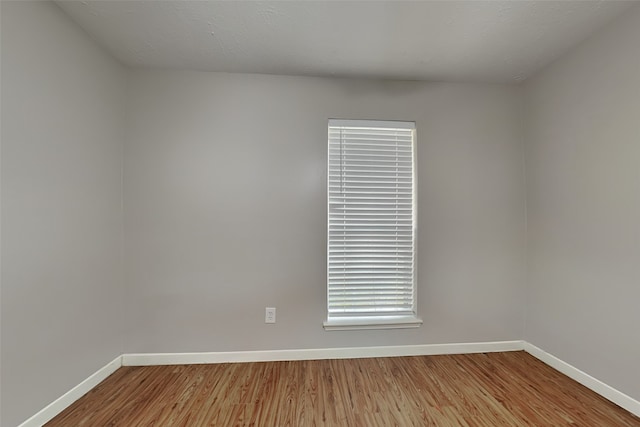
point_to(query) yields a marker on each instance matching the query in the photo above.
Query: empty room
(320, 213)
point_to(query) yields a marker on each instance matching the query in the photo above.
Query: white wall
(225, 210)
(62, 135)
(583, 184)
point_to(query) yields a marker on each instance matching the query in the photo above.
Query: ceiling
(477, 41)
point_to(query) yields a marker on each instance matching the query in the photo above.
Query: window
(371, 225)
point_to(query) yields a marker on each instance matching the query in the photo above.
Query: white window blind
(371, 230)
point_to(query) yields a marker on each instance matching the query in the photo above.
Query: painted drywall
(490, 41)
(583, 206)
(225, 210)
(63, 127)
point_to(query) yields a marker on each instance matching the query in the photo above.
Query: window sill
(358, 323)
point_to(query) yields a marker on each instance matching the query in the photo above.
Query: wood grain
(493, 389)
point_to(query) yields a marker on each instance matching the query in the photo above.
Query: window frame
(353, 321)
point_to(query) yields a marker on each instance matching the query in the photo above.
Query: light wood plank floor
(495, 389)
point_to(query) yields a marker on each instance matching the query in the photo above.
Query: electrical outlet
(270, 315)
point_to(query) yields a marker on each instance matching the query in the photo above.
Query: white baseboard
(585, 379)
(149, 359)
(64, 401)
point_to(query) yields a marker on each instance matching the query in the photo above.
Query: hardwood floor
(494, 389)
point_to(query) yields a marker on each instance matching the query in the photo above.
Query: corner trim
(60, 404)
(594, 384)
(150, 359)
